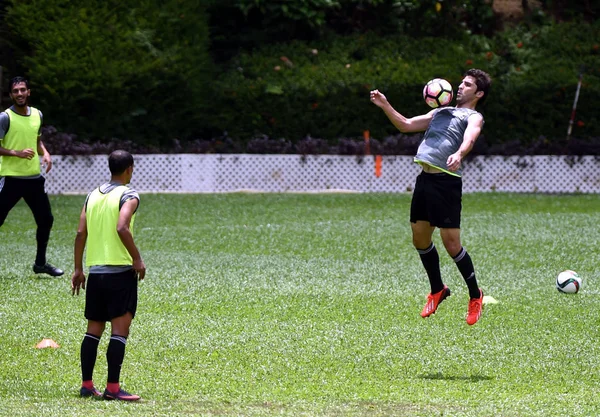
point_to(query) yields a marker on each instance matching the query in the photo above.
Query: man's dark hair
(483, 81)
(119, 161)
(17, 80)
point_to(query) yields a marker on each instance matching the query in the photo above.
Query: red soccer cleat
(433, 301)
(475, 309)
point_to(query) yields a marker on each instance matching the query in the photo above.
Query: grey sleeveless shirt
(443, 137)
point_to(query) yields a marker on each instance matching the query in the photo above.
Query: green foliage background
(105, 68)
(161, 72)
(326, 94)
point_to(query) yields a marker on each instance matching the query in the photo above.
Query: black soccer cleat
(48, 269)
(120, 396)
(87, 393)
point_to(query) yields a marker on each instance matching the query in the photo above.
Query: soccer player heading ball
(450, 133)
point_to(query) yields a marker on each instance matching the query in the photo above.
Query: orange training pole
(378, 166)
(367, 136)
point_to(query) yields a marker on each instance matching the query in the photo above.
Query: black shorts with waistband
(437, 198)
(108, 296)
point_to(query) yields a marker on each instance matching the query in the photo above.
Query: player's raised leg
(462, 259)
(422, 232)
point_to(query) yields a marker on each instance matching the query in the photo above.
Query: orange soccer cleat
(475, 309)
(434, 300)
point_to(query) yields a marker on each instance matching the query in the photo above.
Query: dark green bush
(105, 68)
(247, 24)
(321, 88)
(571, 10)
(140, 70)
(535, 89)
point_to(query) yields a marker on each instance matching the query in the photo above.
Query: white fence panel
(201, 173)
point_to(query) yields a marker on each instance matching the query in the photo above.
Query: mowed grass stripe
(309, 305)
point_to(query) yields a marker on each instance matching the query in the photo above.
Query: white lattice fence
(187, 173)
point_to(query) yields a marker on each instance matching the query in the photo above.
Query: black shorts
(108, 296)
(437, 199)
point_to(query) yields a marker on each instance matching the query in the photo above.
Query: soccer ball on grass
(438, 93)
(568, 282)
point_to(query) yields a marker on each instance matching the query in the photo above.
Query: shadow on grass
(469, 378)
(10, 276)
(39, 277)
(43, 277)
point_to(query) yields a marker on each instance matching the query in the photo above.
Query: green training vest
(104, 247)
(22, 134)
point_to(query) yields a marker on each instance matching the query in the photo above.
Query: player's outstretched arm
(403, 124)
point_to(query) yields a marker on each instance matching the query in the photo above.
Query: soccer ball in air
(568, 282)
(438, 93)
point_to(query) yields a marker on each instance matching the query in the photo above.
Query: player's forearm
(466, 147)
(127, 240)
(8, 152)
(469, 140)
(79, 247)
(41, 149)
(398, 120)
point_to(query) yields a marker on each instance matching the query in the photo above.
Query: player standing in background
(20, 173)
(450, 133)
(115, 266)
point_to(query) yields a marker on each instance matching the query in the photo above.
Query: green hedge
(105, 68)
(321, 89)
(142, 71)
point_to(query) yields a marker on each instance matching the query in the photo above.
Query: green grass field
(308, 305)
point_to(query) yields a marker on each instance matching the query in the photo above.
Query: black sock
(88, 353)
(431, 262)
(465, 266)
(114, 357)
(42, 236)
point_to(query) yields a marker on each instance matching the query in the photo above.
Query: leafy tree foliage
(321, 88)
(8, 49)
(246, 24)
(107, 68)
(569, 10)
(141, 70)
